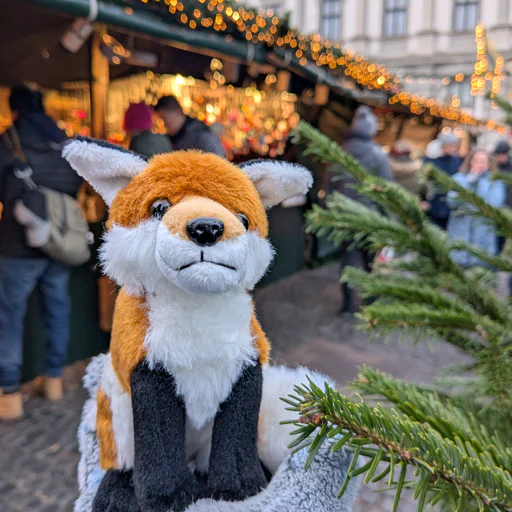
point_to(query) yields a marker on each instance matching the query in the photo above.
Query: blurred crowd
(403, 164)
(31, 161)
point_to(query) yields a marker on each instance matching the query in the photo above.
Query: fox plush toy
(181, 390)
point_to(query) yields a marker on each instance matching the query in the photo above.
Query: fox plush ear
(107, 167)
(277, 181)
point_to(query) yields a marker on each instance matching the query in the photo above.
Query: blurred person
(503, 161)
(23, 268)
(433, 149)
(358, 143)
(185, 132)
(463, 224)
(406, 165)
(138, 122)
(449, 161)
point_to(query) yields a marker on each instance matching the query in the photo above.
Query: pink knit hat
(138, 118)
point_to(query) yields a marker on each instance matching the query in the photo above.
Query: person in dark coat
(358, 143)
(450, 161)
(185, 132)
(138, 122)
(22, 268)
(503, 161)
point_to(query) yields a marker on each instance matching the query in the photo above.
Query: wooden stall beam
(99, 84)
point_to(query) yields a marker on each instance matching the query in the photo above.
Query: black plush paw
(176, 500)
(238, 488)
(116, 493)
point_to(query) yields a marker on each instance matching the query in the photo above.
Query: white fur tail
(273, 438)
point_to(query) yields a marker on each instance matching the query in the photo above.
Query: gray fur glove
(291, 489)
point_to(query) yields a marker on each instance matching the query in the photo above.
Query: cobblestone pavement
(38, 455)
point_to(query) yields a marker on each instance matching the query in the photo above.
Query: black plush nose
(205, 231)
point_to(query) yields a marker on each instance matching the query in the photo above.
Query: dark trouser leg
(116, 493)
(18, 278)
(367, 259)
(358, 259)
(56, 305)
(500, 243)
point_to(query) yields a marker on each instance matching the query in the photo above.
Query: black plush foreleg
(162, 479)
(235, 471)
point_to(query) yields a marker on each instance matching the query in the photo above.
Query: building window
(395, 18)
(465, 16)
(463, 91)
(330, 19)
(275, 7)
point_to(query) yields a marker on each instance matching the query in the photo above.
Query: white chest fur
(204, 342)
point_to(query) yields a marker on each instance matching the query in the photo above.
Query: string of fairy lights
(234, 20)
(483, 73)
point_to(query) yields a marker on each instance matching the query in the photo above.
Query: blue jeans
(18, 278)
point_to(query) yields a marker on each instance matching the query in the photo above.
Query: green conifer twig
(459, 444)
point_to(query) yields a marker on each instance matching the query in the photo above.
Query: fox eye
(244, 220)
(159, 208)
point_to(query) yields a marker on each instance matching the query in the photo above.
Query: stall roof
(47, 20)
(222, 28)
(31, 49)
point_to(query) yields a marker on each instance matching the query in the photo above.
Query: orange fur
(174, 176)
(261, 342)
(177, 218)
(108, 452)
(128, 332)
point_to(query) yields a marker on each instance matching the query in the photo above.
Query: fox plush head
(191, 219)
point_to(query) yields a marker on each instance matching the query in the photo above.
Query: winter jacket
(406, 172)
(150, 144)
(369, 155)
(196, 135)
(50, 170)
(470, 228)
(450, 164)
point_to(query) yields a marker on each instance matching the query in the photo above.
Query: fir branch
(503, 104)
(505, 177)
(493, 366)
(346, 219)
(403, 289)
(443, 413)
(499, 262)
(501, 217)
(419, 315)
(459, 445)
(399, 439)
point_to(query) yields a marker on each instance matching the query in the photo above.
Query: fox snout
(203, 221)
(205, 231)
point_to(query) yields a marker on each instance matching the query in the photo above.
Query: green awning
(145, 22)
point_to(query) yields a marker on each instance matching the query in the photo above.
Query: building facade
(423, 41)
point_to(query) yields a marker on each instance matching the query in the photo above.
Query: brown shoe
(11, 406)
(52, 388)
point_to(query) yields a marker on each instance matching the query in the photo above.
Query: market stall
(230, 86)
